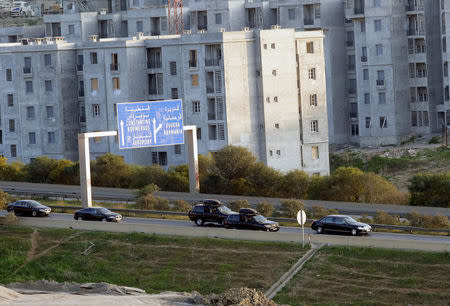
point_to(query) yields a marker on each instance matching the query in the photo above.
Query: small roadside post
(301, 219)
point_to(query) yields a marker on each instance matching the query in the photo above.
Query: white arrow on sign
(121, 131)
(155, 129)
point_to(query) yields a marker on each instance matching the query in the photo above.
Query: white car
(21, 9)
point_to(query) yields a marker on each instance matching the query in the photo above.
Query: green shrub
(150, 202)
(319, 212)
(430, 190)
(435, 139)
(147, 189)
(3, 199)
(265, 209)
(295, 184)
(237, 204)
(181, 205)
(383, 217)
(417, 220)
(289, 208)
(365, 219)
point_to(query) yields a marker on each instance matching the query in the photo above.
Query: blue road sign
(149, 124)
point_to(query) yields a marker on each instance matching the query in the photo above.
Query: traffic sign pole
(194, 182)
(301, 219)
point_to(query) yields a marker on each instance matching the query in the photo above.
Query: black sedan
(28, 208)
(252, 221)
(97, 214)
(340, 224)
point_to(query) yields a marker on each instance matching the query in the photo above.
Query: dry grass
(371, 276)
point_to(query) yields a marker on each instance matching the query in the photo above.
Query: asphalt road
(117, 194)
(283, 229)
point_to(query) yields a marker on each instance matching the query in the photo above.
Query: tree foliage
(430, 190)
(232, 162)
(110, 170)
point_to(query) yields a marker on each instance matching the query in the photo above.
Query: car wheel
(353, 232)
(13, 211)
(81, 218)
(199, 222)
(104, 220)
(34, 213)
(76, 217)
(319, 230)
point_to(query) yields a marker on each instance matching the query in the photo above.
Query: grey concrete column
(194, 180)
(85, 170)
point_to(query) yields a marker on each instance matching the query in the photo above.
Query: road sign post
(301, 219)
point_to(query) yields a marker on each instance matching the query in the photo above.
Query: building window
(310, 47)
(12, 126)
(174, 93)
(13, 150)
(199, 133)
(47, 60)
(218, 18)
(350, 39)
(114, 62)
(155, 84)
(312, 73)
(279, 152)
(192, 58)
(10, 99)
(368, 123)
(95, 110)
(413, 118)
(173, 68)
(8, 75)
(365, 74)
(195, 107)
(94, 84)
(159, 158)
(265, 46)
(94, 60)
(366, 98)
(383, 122)
(71, 29)
(29, 86)
(381, 98)
(272, 46)
(216, 131)
(363, 54)
(314, 126)
(379, 50)
(313, 100)
(277, 125)
(380, 78)
(291, 14)
(139, 26)
(194, 80)
(51, 137)
(377, 25)
(116, 83)
(355, 129)
(376, 3)
(274, 72)
(32, 138)
(177, 149)
(30, 113)
(50, 112)
(352, 86)
(426, 121)
(315, 152)
(48, 85)
(363, 26)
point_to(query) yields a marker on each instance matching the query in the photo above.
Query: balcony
(350, 67)
(211, 116)
(212, 62)
(352, 91)
(363, 59)
(154, 64)
(380, 83)
(81, 93)
(192, 64)
(114, 67)
(353, 115)
(308, 21)
(27, 71)
(79, 68)
(349, 43)
(412, 32)
(82, 119)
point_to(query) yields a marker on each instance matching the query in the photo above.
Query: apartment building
(443, 105)
(38, 100)
(240, 88)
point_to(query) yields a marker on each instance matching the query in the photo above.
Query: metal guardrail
(287, 220)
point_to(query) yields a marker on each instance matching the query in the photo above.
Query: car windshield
(350, 220)
(225, 210)
(260, 219)
(104, 211)
(34, 203)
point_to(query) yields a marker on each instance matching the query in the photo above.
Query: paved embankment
(361, 241)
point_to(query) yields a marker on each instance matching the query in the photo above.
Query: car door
(18, 207)
(87, 214)
(327, 224)
(340, 224)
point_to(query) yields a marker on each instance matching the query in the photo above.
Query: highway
(117, 194)
(283, 229)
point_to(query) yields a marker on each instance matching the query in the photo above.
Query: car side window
(327, 220)
(198, 209)
(339, 220)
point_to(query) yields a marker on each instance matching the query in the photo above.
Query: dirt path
(32, 253)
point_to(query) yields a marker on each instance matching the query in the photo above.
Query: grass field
(337, 275)
(153, 263)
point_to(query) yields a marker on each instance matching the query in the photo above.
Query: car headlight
(42, 209)
(361, 227)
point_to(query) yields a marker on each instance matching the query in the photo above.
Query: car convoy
(207, 211)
